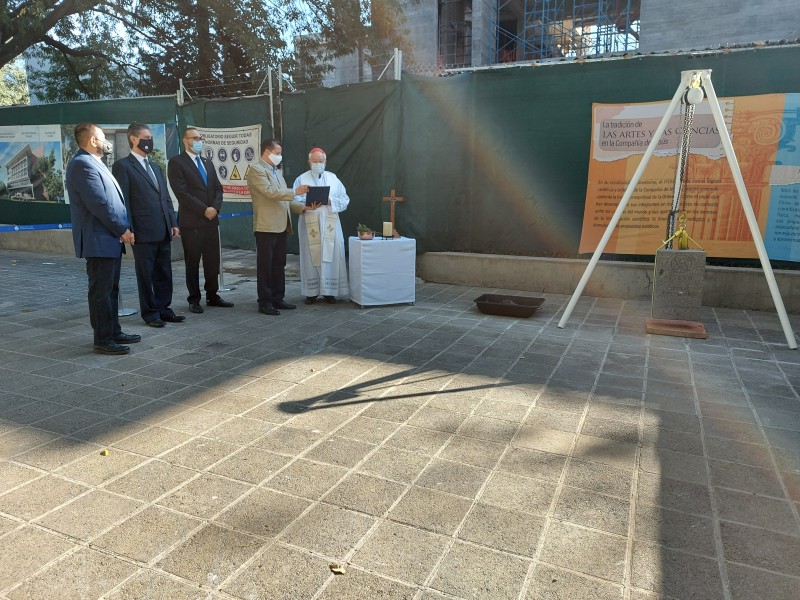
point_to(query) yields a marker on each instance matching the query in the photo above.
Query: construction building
(457, 34)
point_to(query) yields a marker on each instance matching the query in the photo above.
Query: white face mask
(276, 159)
(317, 168)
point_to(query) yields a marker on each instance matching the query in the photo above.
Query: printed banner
(232, 151)
(766, 137)
(31, 167)
(117, 134)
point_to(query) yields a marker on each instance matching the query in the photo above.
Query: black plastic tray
(508, 306)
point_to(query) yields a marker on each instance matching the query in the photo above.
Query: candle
(387, 229)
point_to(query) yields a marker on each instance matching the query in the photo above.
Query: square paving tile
(328, 530)
(90, 514)
(502, 529)
(675, 574)
(428, 509)
(550, 583)
(264, 513)
(401, 552)
(761, 548)
(518, 493)
(590, 509)
(39, 496)
(205, 496)
(477, 573)
(147, 534)
(280, 573)
(307, 479)
(26, 550)
(393, 463)
(211, 555)
(358, 584)
(151, 584)
(453, 478)
(84, 574)
(365, 493)
(585, 551)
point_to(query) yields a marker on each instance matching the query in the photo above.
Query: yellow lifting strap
(681, 236)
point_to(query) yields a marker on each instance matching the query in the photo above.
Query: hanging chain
(683, 157)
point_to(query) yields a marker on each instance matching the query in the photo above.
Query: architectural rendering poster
(31, 169)
(233, 150)
(766, 139)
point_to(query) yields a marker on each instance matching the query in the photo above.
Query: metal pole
(271, 106)
(748, 208)
(624, 202)
(121, 310)
(222, 287)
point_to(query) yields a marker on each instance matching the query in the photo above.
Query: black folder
(318, 194)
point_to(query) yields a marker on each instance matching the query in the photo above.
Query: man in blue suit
(99, 229)
(152, 220)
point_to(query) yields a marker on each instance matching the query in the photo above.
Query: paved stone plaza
(430, 450)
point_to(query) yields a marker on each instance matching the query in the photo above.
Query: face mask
(197, 147)
(317, 168)
(276, 159)
(107, 147)
(145, 146)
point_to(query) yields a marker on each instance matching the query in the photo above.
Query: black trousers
(154, 279)
(103, 298)
(201, 243)
(270, 267)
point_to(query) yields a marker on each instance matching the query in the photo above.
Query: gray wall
(700, 24)
(421, 22)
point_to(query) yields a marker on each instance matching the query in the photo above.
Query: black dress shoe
(268, 310)
(111, 349)
(283, 305)
(195, 308)
(218, 302)
(174, 319)
(156, 323)
(310, 299)
(127, 338)
(330, 299)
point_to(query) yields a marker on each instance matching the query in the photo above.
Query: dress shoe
(156, 323)
(218, 302)
(174, 319)
(283, 305)
(195, 308)
(330, 299)
(268, 310)
(111, 349)
(310, 299)
(127, 338)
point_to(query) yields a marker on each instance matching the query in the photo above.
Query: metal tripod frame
(716, 111)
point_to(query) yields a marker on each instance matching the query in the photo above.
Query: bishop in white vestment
(323, 270)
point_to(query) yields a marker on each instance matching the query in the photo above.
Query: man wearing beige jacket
(272, 203)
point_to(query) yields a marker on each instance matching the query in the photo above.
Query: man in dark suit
(199, 192)
(99, 228)
(152, 222)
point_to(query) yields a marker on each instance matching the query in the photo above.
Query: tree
(90, 49)
(13, 85)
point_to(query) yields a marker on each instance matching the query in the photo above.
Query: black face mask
(145, 146)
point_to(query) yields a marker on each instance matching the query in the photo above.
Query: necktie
(150, 173)
(202, 169)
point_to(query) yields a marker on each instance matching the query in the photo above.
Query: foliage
(13, 85)
(53, 182)
(88, 49)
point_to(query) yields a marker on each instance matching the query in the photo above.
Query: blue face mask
(197, 147)
(317, 168)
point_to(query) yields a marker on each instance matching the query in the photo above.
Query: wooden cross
(393, 199)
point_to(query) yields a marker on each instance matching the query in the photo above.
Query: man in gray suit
(99, 229)
(153, 223)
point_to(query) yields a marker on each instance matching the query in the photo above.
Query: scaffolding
(552, 29)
